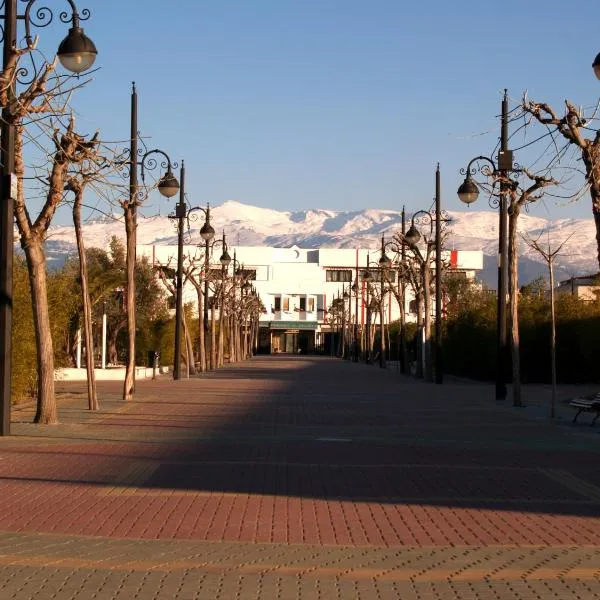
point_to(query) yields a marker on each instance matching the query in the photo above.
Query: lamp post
(168, 186)
(76, 53)
(347, 295)
(355, 290)
(367, 277)
(412, 238)
(384, 264)
(468, 193)
(182, 213)
(207, 233)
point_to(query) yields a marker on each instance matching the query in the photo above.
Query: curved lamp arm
(149, 163)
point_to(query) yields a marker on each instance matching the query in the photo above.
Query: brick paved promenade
(299, 478)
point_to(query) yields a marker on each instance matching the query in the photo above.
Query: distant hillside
(251, 225)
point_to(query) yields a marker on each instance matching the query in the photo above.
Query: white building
(297, 286)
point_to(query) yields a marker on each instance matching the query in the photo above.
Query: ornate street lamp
(77, 53)
(468, 192)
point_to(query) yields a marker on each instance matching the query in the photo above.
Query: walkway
(299, 478)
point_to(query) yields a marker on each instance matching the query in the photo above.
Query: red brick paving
(250, 454)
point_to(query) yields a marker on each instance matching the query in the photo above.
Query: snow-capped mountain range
(247, 225)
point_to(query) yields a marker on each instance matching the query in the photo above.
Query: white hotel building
(297, 286)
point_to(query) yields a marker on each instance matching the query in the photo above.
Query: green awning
(293, 325)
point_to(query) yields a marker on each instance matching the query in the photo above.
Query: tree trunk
(419, 338)
(201, 345)
(87, 305)
(113, 356)
(213, 337)
(32, 240)
(46, 402)
(427, 319)
(191, 369)
(513, 295)
(130, 230)
(221, 348)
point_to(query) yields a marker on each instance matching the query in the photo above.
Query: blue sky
(340, 104)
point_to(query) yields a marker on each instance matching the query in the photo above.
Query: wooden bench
(586, 405)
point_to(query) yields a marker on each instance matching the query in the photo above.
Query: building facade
(298, 285)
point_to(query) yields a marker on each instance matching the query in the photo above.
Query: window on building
(286, 304)
(412, 307)
(302, 305)
(311, 305)
(277, 304)
(338, 275)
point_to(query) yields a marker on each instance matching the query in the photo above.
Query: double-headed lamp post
(76, 53)
(468, 193)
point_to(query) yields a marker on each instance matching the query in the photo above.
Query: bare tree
(574, 127)
(518, 198)
(549, 254)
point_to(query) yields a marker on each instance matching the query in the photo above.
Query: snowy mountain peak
(250, 225)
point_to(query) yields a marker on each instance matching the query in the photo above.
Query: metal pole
(7, 194)
(206, 340)
(131, 218)
(180, 215)
(405, 368)
(381, 317)
(439, 362)
(104, 335)
(502, 266)
(553, 335)
(343, 324)
(357, 291)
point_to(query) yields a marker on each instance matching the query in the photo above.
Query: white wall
(291, 272)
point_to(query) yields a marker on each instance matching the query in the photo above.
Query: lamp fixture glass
(168, 185)
(77, 52)
(412, 236)
(207, 232)
(468, 191)
(225, 259)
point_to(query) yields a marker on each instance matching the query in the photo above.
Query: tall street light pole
(468, 193)
(76, 53)
(168, 186)
(207, 233)
(355, 291)
(439, 356)
(180, 215)
(385, 263)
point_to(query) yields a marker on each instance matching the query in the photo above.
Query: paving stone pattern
(300, 478)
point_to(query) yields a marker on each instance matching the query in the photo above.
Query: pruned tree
(574, 128)
(519, 197)
(549, 254)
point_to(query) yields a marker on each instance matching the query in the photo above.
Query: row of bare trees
(234, 309)
(408, 273)
(55, 164)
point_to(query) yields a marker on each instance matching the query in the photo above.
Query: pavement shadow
(314, 427)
